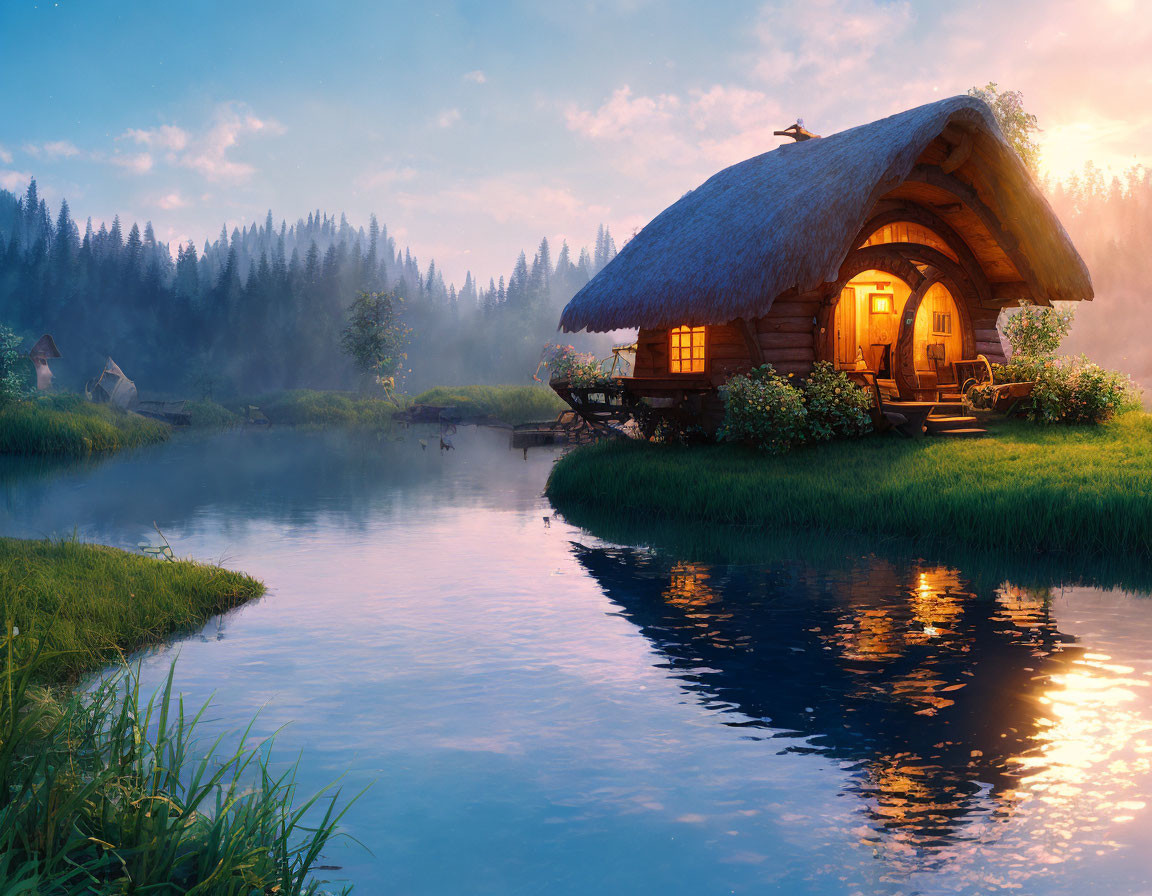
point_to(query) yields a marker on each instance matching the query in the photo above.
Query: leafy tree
(375, 337)
(1019, 126)
(11, 377)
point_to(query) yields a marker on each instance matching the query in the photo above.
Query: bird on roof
(797, 132)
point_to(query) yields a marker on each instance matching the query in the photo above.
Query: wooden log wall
(787, 334)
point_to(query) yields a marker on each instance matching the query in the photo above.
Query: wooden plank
(1005, 293)
(785, 325)
(797, 368)
(775, 355)
(769, 341)
(729, 352)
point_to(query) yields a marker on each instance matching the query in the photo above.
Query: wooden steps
(953, 426)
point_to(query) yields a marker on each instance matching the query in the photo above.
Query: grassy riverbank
(69, 426)
(103, 792)
(509, 404)
(89, 605)
(1069, 489)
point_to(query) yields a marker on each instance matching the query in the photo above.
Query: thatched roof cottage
(890, 247)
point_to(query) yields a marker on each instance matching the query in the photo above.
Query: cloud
(476, 77)
(14, 180)
(447, 118)
(55, 149)
(828, 42)
(171, 201)
(682, 138)
(5, 156)
(140, 163)
(209, 154)
(166, 137)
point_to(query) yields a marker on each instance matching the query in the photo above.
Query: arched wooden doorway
(921, 270)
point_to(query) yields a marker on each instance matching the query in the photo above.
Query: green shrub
(306, 407)
(763, 409)
(1074, 390)
(207, 414)
(837, 408)
(12, 378)
(1035, 332)
(580, 369)
(1019, 369)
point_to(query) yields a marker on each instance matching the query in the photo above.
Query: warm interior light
(686, 350)
(881, 303)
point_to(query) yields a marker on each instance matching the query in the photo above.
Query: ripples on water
(544, 711)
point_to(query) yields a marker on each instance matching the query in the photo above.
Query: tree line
(263, 307)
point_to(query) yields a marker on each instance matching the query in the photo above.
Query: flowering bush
(763, 409)
(579, 369)
(1074, 390)
(1019, 369)
(837, 408)
(1035, 332)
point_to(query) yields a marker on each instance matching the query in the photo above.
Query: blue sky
(473, 129)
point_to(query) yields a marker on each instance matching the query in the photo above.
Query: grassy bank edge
(92, 605)
(100, 788)
(1075, 490)
(69, 426)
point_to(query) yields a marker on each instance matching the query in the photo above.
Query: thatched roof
(788, 218)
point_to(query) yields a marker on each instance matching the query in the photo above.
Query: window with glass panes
(686, 352)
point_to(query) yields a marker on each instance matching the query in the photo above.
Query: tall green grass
(207, 414)
(1036, 489)
(509, 404)
(102, 792)
(306, 407)
(67, 425)
(103, 603)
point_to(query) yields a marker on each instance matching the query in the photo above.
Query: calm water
(542, 711)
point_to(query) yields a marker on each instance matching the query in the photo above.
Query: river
(540, 708)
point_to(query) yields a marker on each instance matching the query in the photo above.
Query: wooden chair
(946, 379)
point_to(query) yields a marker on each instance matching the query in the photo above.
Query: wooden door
(846, 329)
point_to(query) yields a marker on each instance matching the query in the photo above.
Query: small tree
(1036, 333)
(375, 337)
(1019, 126)
(11, 377)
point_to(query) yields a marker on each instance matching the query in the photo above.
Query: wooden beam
(960, 152)
(749, 333)
(918, 214)
(930, 174)
(1008, 293)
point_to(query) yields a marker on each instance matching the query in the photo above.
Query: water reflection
(950, 705)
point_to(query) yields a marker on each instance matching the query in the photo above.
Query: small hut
(40, 354)
(112, 387)
(889, 248)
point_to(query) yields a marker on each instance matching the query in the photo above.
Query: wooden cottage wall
(651, 353)
(787, 334)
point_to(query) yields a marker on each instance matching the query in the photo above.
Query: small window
(686, 352)
(882, 302)
(941, 323)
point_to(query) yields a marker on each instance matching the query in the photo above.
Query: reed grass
(509, 404)
(69, 426)
(1077, 490)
